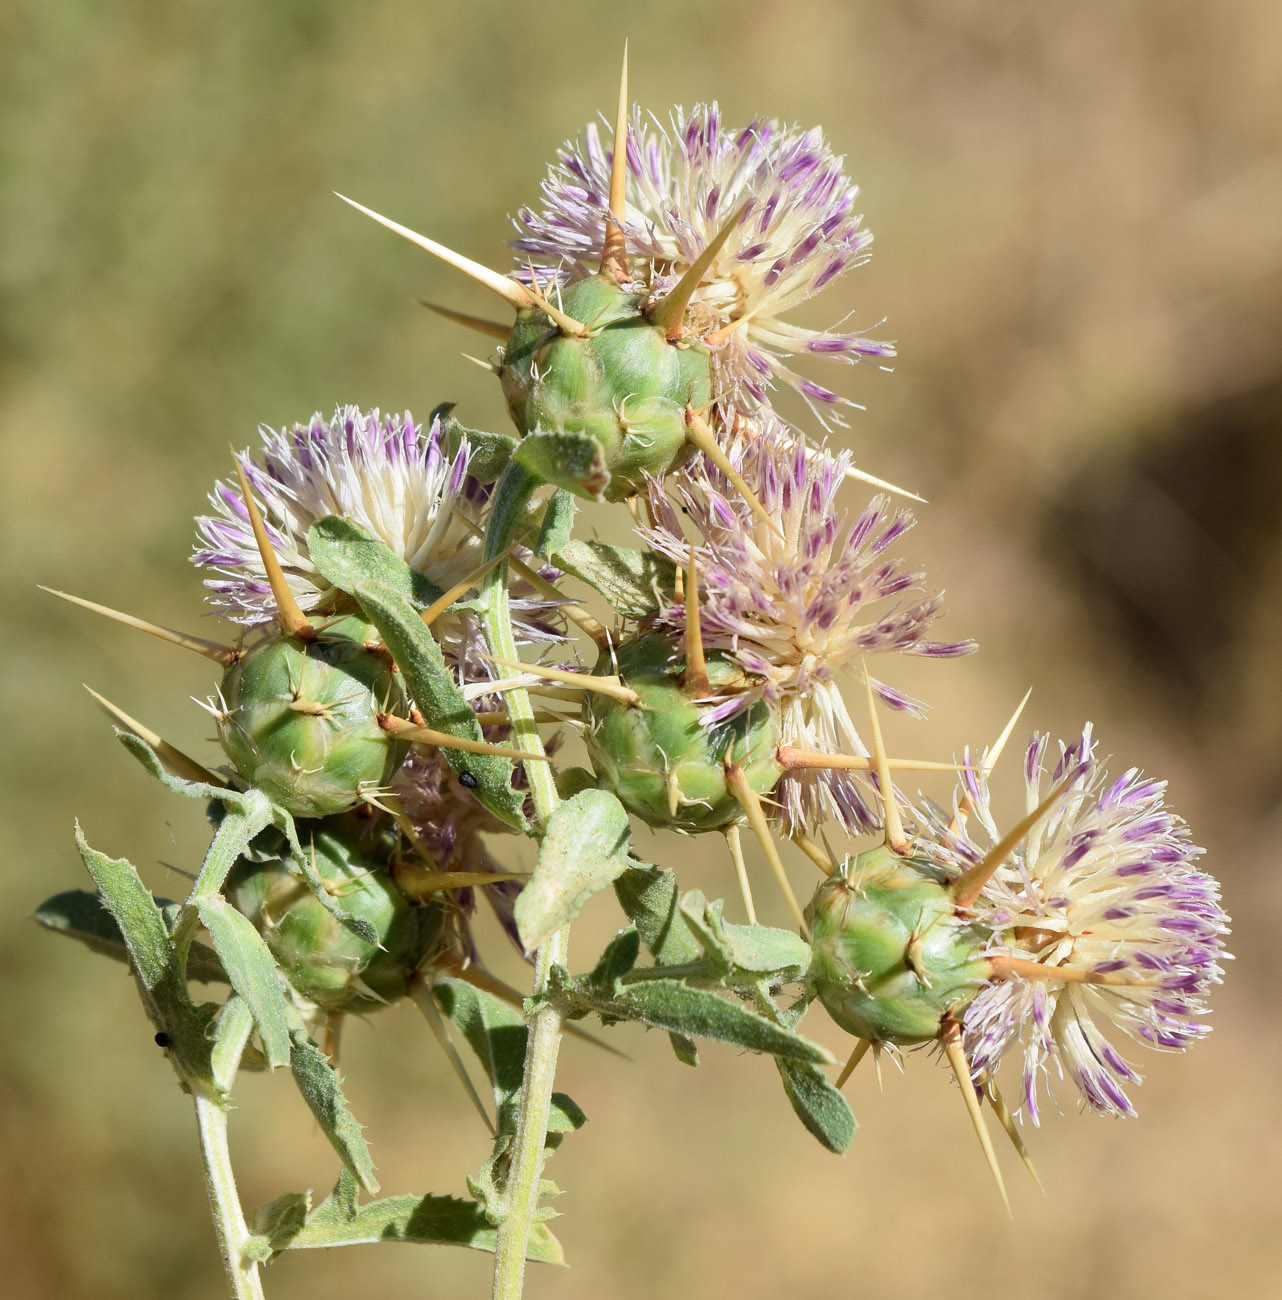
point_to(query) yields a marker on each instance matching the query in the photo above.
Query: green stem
(234, 1025)
(520, 1193)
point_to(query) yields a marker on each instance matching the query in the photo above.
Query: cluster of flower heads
(794, 231)
(1104, 884)
(794, 588)
(801, 604)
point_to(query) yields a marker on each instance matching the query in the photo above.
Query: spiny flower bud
(321, 958)
(665, 756)
(624, 385)
(299, 718)
(891, 956)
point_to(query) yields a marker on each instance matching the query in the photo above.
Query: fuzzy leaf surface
(392, 595)
(650, 899)
(252, 972)
(488, 453)
(691, 1012)
(584, 850)
(319, 1084)
(572, 461)
(634, 582)
(818, 1105)
(153, 960)
(84, 916)
(427, 1220)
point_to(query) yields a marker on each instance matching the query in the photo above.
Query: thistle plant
(420, 620)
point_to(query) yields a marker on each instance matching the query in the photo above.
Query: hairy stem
(520, 1193)
(234, 1025)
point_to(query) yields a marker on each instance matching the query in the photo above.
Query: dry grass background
(1080, 254)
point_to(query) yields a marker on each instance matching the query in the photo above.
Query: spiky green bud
(891, 955)
(299, 719)
(663, 757)
(321, 957)
(625, 385)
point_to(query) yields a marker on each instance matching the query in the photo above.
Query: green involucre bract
(299, 719)
(320, 957)
(625, 386)
(662, 758)
(891, 956)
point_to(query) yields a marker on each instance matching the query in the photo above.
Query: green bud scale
(663, 757)
(891, 956)
(625, 385)
(299, 718)
(320, 957)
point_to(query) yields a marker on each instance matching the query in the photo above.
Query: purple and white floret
(798, 231)
(1105, 883)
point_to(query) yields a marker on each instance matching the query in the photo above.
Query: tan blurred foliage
(1079, 221)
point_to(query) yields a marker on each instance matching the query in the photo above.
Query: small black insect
(162, 1039)
(467, 781)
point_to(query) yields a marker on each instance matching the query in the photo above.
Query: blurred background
(1078, 213)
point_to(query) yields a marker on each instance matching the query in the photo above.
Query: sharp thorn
(614, 254)
(894, 826)
(951, 1038)
(735, 845)
(425, 999)
(1007, 1121)
(700, 436)
(669, 313)
(485, 365)
(610, 686)
(968, 886)
(491, 328)
(443, 602)
(861, 1050)
(289, 613)
(220, 654)
(790, 757)
(1003, 967)
(695, 675)
(174, 759)
(750, 802)
(817, 853)
(516, 297)
(404, 730)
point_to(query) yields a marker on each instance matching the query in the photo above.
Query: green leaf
(364, 930)
(818, 1105)
(572, 461)
(153, 959)
(321, 1090)
(252, 973)
(489, 453)
(634, 582)
(494, 1031)
(556, 524)
(685, 1049)
(618, 959)
(585, 849)
(699, 1013)
(277, 1223)
(392, 595)
(148, 757)
(84, 916)
(744, 950)
(429, 1220)
(649, 897)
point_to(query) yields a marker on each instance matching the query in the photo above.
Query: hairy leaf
(323, 1093)
(634, 582)
(392, 595)
(585, 849)
(818, 1105)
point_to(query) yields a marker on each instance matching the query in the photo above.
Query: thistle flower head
(799, 606)
(796, 231)
(380, 471)
(1103, 885)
